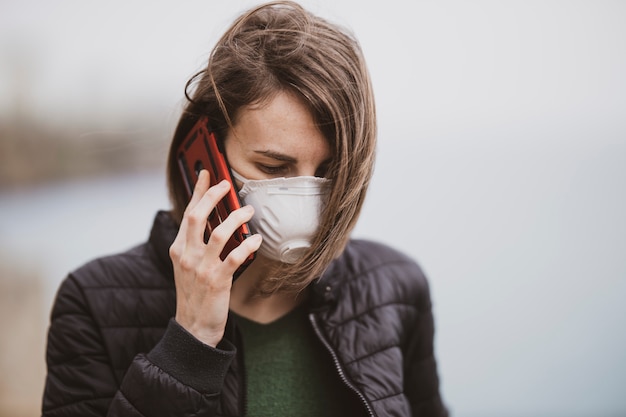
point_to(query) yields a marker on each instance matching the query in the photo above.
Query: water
(55, 229)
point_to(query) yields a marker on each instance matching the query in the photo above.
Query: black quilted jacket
(114, 349)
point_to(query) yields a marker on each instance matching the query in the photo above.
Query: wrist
(205, 334)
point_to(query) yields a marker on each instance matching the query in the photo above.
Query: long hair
(281, 47)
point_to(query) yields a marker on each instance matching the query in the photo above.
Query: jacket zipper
(338, 366)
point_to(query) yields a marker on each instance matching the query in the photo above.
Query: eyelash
(273, 170)
(282, 170)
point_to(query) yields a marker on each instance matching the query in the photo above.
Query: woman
(329, 327)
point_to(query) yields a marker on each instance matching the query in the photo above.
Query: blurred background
(502, 170)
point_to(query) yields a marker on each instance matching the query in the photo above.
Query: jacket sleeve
(179, 376)
(421, 376)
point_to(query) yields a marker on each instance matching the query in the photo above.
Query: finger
(202, 185)
(222, 233)
(239, 255)
(196, 217)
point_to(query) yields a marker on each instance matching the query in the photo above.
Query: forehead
(282, 125)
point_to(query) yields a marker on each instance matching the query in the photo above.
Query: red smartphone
(201, 150)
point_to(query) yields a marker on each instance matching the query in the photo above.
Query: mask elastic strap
(238, 176)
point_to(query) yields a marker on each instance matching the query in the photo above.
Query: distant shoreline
(32, 155)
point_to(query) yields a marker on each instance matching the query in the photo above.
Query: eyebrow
(278, 156)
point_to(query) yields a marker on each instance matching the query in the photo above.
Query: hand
(203, 280)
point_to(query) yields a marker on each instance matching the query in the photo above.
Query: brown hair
(276, 47)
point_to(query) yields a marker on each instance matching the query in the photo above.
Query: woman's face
(279, 139)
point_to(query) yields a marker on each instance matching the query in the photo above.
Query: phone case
(201, 150)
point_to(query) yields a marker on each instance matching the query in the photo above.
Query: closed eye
(273, 170)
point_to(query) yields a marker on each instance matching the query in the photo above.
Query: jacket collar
(325, 289)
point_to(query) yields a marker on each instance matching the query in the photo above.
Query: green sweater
(289, 372)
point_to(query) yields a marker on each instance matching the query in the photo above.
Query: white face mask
(286, 213)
